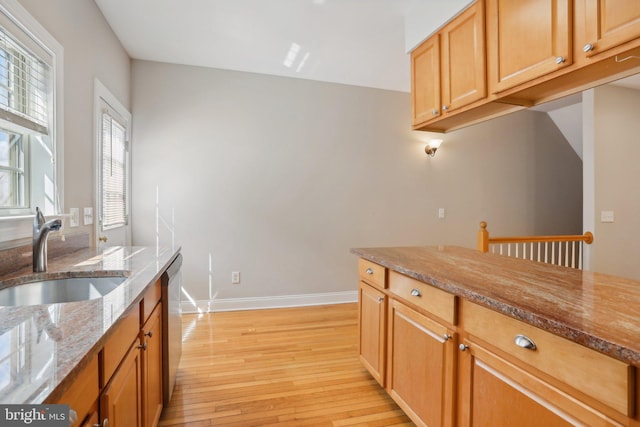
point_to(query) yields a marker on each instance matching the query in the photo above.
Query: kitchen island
(499, 334)
(45, 347)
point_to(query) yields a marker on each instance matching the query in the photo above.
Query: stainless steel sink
(60, 290)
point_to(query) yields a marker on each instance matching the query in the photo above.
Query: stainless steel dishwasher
(171, 327)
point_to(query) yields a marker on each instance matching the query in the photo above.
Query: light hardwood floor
(284, 367)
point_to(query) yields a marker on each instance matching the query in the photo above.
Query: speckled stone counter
(599, 311)
(43, 347)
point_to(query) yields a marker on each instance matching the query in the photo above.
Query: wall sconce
(432, 147)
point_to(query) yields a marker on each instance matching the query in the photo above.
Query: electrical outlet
(235, 277)
(606, 216)
(88, 216)
(74, 217)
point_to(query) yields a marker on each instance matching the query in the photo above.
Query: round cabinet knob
(416, 293)
(148, 334)
(369, 271)
(524, 342)
(103, 239)
(380, 299)
(445, 108)
(434, 112)
(463, 347)
(560, 60)
(588, 47)
(447, 337)
(143, 346)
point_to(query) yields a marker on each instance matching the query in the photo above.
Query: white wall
(278, 178)
(616, 131)
(91, 50)
(426, 16)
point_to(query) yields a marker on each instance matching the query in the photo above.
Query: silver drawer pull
(416, 293)
(369, 271)
(446, 337)
(524, 342)
(380, 299)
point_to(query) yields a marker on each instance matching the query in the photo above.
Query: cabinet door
(493, 392)
(425, 81)
(121, 401)
(610, 23)
(527, 39)
(420, 377)
(373, 314)
(152, 368)
(464, 76)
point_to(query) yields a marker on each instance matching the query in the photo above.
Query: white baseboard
(257, 303)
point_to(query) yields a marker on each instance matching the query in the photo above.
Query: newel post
(483, 238)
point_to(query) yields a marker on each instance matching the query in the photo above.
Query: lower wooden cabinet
(450, 362)
(152, 368)
(421, 366)
(372, 315)
(121, 400)
(122, 387)
(494, 392)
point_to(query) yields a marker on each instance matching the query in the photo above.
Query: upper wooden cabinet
(464, 76)
(449, 69)
(608, 24)
(527, 39)
(425, 81)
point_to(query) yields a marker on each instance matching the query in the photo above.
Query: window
(114, 172)
(113, 168)
(30, 116)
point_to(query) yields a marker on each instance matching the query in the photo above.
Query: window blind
(114, 173)
(25, 85)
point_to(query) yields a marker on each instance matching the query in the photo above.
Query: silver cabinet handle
(143, 346)
(380, 299)
(447, 337)
(445, 108)
(148, 334)
(369, 271)
(416, 293)
(588, 47)
(524, 342)
(434, 112)
(560, 60)
(463, 347)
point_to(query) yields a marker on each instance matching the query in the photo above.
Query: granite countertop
(596, 310)
(42, 347)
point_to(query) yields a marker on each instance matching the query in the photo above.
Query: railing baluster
(573, 254)
(580, 245)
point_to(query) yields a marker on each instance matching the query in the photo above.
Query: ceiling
(355, 42)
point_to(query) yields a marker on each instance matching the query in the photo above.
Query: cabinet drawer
(426, 297)
(117, 345)
(607, 380)
(149, 301)
(372, 273)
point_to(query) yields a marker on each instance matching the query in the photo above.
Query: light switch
(88, 216)
(606, 216)
(440, 213)
(74, 217)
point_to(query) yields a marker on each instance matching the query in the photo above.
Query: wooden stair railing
(565, 250)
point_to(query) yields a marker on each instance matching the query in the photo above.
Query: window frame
(104, 99)
(11, 223)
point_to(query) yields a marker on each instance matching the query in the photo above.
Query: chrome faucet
(41, 230)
